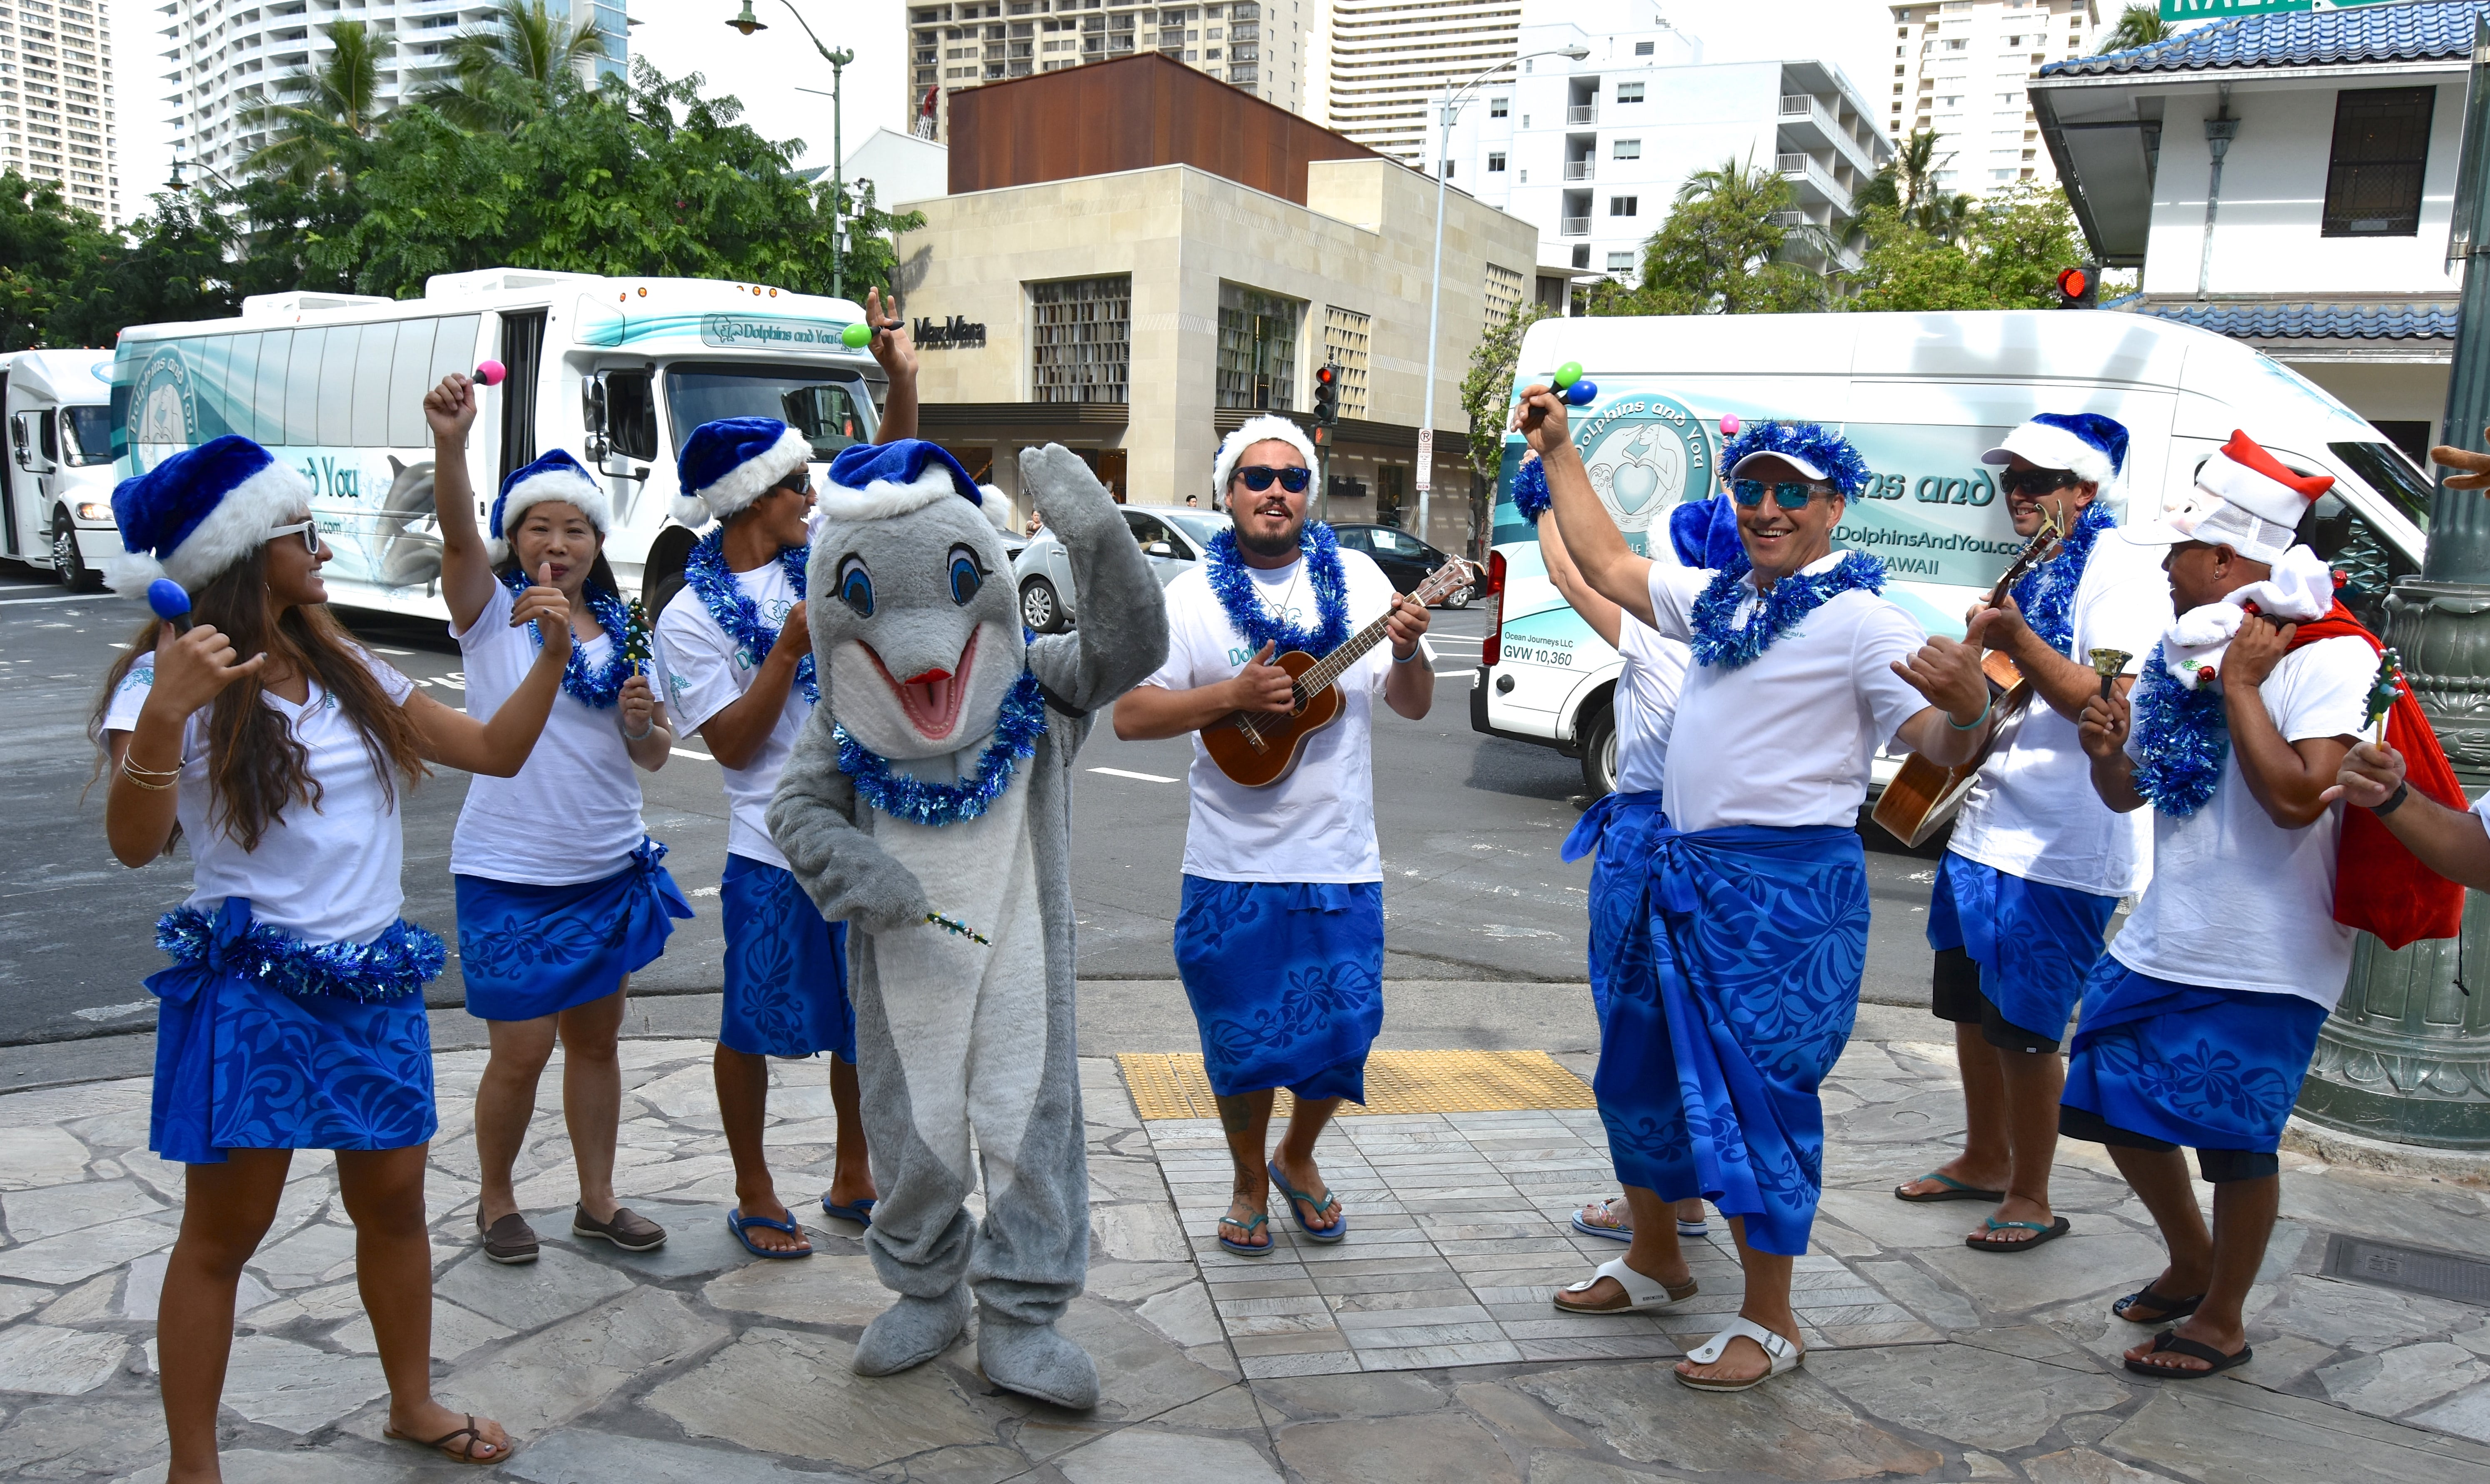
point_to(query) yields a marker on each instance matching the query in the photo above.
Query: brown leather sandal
(466, 1453)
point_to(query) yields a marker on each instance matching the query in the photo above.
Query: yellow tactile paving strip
(1171, 1085)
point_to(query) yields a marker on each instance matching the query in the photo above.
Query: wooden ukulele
(1259, 748)
(1924, 795)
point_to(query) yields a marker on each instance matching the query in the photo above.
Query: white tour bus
(617, 370)
(56, 481)
(1922, 395)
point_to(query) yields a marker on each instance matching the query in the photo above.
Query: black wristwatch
(2394, 800)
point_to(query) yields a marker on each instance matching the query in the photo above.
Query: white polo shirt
(1645, 703)
(707, 672)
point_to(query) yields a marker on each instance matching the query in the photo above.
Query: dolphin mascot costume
(928, 802)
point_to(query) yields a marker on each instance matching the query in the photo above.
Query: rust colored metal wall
(1132, 114)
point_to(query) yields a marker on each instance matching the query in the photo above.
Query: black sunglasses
(2036, 481)
(1790, 495)
(1259, 477)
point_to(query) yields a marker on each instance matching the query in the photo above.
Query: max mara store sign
(953, 334)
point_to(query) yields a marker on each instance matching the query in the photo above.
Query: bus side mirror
(591, 412)
(17, 441)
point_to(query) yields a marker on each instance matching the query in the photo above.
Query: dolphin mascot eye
(855, 586)
(966, 575)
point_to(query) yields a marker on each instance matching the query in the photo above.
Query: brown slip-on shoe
(628, 1230)
(509, 1240)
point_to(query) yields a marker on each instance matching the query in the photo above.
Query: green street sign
(2221, 10)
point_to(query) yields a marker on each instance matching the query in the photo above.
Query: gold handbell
(2111, 664)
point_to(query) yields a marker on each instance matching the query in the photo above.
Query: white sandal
(1783, 1354)
(1641, 1293)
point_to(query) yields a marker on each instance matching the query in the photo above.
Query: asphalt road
(1471, 827)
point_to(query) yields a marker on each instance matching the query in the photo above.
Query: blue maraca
(170, 603)
(1569, 382)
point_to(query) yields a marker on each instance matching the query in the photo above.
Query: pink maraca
(1730, 425)
(491, 372)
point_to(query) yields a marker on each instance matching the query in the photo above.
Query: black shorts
(1954, 996)
(2218, 1167)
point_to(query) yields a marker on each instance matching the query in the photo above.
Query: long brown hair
(255, 767)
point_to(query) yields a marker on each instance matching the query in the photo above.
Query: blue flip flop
(1247, 1249)
(1329, 1203)
(737, 1221)
(861, 1212)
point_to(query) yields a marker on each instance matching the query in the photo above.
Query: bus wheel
(1599, 730)
(67, 565)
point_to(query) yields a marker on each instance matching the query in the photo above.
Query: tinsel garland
(1813, 442)
(396, 964)
(2182, 740)
(737, 615)
(1017, 729)
(2046, 595)
(1233, 586)
(602, 688)
(1530, 490)
(1717, 643)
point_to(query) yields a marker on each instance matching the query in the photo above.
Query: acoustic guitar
(1923, 795)
(1259, 748)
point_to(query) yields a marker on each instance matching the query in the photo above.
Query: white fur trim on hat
(883, 499)
(998, 507)
(1266, 429)
(2259, 494)
(745, 482)
(561, 486)
(2048, 447)
(278, 495)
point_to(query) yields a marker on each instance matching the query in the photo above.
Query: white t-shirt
(572, 814)
(1316, 824)
(326, 875)
(1787, 740)
(1645, 703)
(2034, 813)
(707, 672)
(2237, 901)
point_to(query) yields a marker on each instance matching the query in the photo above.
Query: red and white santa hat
(2244, 499)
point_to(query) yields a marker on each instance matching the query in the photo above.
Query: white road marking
(682, 751)
(111, 1011)
(58, 597)
(1143, 778)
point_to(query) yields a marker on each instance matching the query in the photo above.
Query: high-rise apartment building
(228, 57)
(1258, 45)
(1391, 59)
(56, 100)
(1959, 68)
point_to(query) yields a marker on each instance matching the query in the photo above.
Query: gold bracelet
(131, 765)
(153, 788)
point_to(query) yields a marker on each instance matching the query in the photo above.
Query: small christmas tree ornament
(2388, 689)
(635, 636)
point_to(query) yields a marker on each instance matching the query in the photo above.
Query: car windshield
(1200, 525)
(2383, 468)
(829, 407)
(86, 436)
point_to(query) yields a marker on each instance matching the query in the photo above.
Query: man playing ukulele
(1279, 937)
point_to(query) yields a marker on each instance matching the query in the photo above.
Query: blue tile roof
(2371, 33)
(2314, 321)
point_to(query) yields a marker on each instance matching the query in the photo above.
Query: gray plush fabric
(940, 1052)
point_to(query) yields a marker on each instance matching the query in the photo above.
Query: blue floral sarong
(1712, 1052)
(1286, 980)
(241, 1064)
(785, 967)
(2035, 944)
(2204, 1068)
(529, 950)
(1620, 928)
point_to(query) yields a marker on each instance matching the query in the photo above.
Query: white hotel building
(56, 121)
(1961, 66)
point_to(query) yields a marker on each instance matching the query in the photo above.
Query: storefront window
(1257, 348)
(1081, 339)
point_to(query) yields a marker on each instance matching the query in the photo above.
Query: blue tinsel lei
(705, 573)
(1530, 490)
(2046, 595)
(1813, 442)
(396, 964)
(1233, 586)
(1021, 723)
(602, 688)
(1717, 643)
(2182, 740)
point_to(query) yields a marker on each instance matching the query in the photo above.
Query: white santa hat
(1266, 429)
(2244, 499)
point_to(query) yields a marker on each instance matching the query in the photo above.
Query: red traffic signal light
(1327, 393)
(2079, 286)
(2073, 282)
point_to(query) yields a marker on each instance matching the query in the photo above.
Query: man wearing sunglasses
(2036, 862)
(1280, 936)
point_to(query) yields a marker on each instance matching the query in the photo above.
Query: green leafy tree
(2006, 256)
(44, 244)
(514, 68)
(175, 262)
(318, 109)
(1728, 248)
(2138, 25)
(1486, 395)
(1907, 183)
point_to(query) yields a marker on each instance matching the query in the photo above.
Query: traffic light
(2080, 287)
(1327, 394)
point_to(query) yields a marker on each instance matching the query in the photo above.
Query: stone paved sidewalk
(1929, 1360)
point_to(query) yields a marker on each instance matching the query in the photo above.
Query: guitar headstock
(1442, 583)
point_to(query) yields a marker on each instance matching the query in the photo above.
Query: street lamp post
(1435, 292)
(747, 24)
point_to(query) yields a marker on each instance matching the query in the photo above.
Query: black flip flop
(1955, 1190)
(2045, 1233)
(2170, 1308)
(2175, 1343)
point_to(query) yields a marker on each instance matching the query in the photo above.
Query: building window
(1628, 148)
(1080, 341)
(1496, 108)
(1346, 337)
(2374, 174)
(1495, 164)
(1257, 348)
(1501, 291)
(1622, 206)
(1629, 91)
(1642, 48)
(1621, 262)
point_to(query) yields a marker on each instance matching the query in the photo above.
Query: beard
(1281, 545)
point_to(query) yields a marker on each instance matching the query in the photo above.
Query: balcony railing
(1583, 113)
(1790, 164)
(1574, 226)
(1796, 105)
(1578, 169)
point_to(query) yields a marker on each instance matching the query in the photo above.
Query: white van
(1922, 395)
(56, 481)
(617, 370)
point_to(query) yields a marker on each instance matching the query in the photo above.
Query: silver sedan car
(1173, 539)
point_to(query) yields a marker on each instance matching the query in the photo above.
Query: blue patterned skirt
(528, 951)
(785, 967)
(1286, 982)
(1724, 1015)
(1620, 928)
(243, 1065)
(2204, 1068)
(2035, 944)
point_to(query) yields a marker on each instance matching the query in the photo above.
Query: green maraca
(856, 337)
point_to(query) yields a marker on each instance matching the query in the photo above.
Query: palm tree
(502, 73)
(319, 108)
(2139, 26)
(1908, 183)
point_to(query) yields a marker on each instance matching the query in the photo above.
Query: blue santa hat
(555, 476)
(877, 481)
(733, 461)
(2085, 444)
(200, 511)
(1704, 533)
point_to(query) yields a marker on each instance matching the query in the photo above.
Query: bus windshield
(829, 407)
(2383, 468)
(86, 436)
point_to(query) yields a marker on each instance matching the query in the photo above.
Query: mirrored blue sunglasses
(1790, 495)
(1259, 477)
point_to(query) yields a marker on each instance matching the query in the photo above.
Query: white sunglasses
(309, 530)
